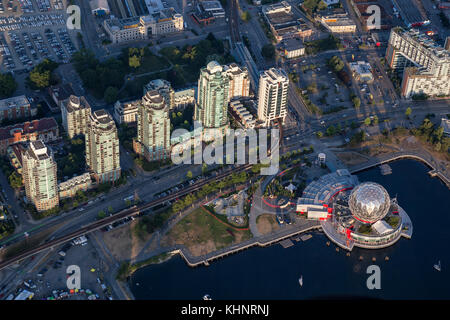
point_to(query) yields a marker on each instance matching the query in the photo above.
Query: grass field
(201, 233)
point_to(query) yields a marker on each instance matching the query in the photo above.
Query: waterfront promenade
(262, 241)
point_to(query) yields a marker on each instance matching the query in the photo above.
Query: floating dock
(306, 237)
(286, 243)
(385, 169)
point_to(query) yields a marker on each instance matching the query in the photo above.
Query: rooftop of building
(275, 74)
(102, 116)
(211, 5)
(276, 7)
(85, 177)
(235, 69)
(61, 91)
(76, 103)
(445, 124)
(99, 4)
(409, 11)
(14, 101)
(38, 150)
(360, 67)
(423, 40)
(28, 127)
(291, 44)
(154, 99)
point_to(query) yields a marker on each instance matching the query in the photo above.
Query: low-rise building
(337, 22)
(99, 7)
(291, 48)
(143, 27)
(59, 93)
(212, 6)
(445, 124)
(15, 152)
(70, 187)
(45, 129)
(16, 108)
(184, 97)
(126, 112)
(283, 23)
(241, 112)
(362, 71)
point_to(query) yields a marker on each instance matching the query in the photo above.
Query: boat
(207, 297)
(300, 281)
(438, 266)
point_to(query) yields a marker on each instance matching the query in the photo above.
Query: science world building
(353, 213)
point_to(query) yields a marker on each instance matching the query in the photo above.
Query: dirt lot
(123, 243)
(267, 223)
(351, 158)
(201, 233)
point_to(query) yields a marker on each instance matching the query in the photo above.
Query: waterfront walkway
(262, 241)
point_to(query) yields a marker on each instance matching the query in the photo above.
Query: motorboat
(438, 266)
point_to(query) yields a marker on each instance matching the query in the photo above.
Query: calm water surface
(273, 272)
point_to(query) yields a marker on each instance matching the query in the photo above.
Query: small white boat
(207, 297)
(300, 281)
(438, 266)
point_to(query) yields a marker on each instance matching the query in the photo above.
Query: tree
(246, 16)
(356, 102)
(15, 180)
(110, 95)
(7, 85)
(319, 134)
(268, 51)
(408, 112)
(204, 167)
(367, 121)
(134, 62)
(40, 79)
(189, 174)
(101, 214)
(110, 209)
(331, 131)
(42, 74)
(375, 120)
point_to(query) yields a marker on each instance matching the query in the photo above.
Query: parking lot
(49, 281)
(323, 87)
(33, 33)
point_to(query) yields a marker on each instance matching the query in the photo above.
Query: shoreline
(277, 237)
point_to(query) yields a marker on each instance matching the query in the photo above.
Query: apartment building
(75, 112)
(39, 175)
(102, 147)
(272, 96)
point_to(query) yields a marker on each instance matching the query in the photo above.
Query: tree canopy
(7, 85)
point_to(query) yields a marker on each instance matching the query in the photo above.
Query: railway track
(121, 215)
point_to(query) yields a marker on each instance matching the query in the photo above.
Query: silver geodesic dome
(369, 202)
